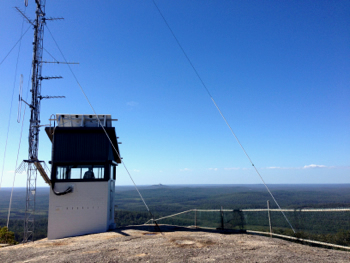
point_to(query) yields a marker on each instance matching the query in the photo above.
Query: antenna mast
(36, 79)
(32, 162)
(33, 165)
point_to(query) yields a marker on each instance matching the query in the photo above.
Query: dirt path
(135, 245)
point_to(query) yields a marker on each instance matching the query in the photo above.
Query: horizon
(223, 185)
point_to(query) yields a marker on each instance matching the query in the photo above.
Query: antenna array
(33, 165)
(33, 137)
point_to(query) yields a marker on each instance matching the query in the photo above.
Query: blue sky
(279, 71)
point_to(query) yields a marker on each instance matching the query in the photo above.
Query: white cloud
(213, 169)
(185, 170)
(136, 171)
(303, 167)
(314, 166)
(132, 103)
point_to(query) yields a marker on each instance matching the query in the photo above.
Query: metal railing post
(195, 218)
(268, 212)
(222, 218)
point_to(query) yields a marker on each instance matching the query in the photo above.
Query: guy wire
(14, 46)
(13, 92)
(217, 107)
(19, 147)
(82, 90)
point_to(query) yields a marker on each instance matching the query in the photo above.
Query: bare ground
(140, 244)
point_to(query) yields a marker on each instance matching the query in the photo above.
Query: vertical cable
(13, 92)
(19, 146)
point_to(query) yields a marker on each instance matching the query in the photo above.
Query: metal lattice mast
(34, 125)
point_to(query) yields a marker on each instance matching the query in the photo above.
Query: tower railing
(329, 227)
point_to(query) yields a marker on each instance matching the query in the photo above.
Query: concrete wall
(86, 210)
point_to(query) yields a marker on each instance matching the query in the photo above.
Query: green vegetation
(126, 218)
(7, 237)
(332, 227)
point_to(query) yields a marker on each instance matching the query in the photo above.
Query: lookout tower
(83, 173)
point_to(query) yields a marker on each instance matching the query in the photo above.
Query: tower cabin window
(80, 172)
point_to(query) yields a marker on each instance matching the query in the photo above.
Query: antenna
(57, 62)
(33, 165)
(33, 139)
(19, 112)
(51, 97)
(55, 77)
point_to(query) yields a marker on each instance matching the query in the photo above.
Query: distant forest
(165, 200)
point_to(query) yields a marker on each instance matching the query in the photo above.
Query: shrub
(7, 237)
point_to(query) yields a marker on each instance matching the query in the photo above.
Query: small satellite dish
(19, 113)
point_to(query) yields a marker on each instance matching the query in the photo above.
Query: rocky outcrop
(173, 245)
